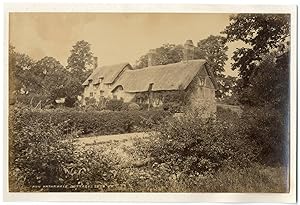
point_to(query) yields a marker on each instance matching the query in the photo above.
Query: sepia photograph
(149, 102)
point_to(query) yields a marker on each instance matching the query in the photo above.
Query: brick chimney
(151, 57)
(188, 51)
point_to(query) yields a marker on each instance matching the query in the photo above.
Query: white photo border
(158, 197)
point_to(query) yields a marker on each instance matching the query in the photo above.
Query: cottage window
(91, 94)
(157, 101)
(201, 81)
(115, 97)
(101, 93)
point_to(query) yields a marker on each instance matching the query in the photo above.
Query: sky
(114, 37)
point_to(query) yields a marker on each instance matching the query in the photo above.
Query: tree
(57, 82)
(13, 83)
(19, 76)
(80, 59)
(166, 54)
(264, 65)
(270, 85)
(52, 77)
(262, 33)
(213, 49)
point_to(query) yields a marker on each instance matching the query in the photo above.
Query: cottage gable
(106, 74)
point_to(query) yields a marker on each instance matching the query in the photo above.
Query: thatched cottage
(148, 85)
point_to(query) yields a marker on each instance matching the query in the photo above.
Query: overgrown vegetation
(182, 154)
(39, 159)
(91, 122)
(228, 152)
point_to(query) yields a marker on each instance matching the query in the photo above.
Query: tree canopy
(262, 33)
(213, 49)
(46, 77)
(166, 54)
(264, 65)
(80, 60)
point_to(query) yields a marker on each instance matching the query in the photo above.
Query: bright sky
(114, 37)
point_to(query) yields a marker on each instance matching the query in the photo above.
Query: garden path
(114, 138)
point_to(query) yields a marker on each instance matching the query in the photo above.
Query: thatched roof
(108, 73)
(162, 77)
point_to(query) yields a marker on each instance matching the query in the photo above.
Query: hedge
(93, 122)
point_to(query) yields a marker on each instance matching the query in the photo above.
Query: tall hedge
(94, 122)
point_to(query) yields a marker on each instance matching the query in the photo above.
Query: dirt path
(114, 138)
(118, 145)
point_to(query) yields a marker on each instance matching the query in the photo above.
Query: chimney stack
(95, 62)
(188, 51)
(151, 57)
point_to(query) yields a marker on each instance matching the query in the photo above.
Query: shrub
(37, 152)
(70, 101)
(114, 105)
(193, 144)
(133, 106)
(90, 100)
(40, 156)
(33, 100)
(95, 122)
(172, 107)
(227, 114)
(268, 127)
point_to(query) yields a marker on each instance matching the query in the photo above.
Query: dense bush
(133, 106)
(172, 107)
(193, 144)
(269, 128)
(40, 158)
(114, 105)
(227, 114)
(95, 122)
(34, 100)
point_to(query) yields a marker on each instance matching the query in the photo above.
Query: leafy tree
(19, 76)
(166, 54)
(13, 83)
(52, 77)
(80, 59)
(270, 84)
(73, 88)
(213, 49)
(262, 33)
(57, 81)
(227, 90)
(45, 78)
